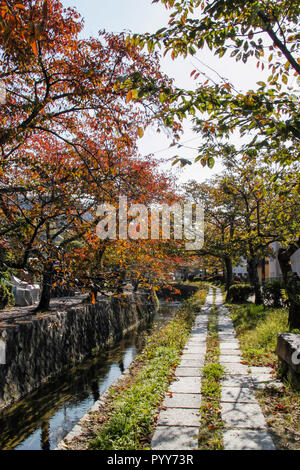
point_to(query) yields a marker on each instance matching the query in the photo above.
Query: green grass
(211, 429)
(257, 328)
(134, 411)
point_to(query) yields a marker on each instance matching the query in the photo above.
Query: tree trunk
(44, 302)
(254, 279)
(291, 284)
(92, 297)
(228, 274)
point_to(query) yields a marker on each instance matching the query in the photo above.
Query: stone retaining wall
(39, 348)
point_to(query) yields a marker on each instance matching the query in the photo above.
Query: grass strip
(134, 411)
(257, 328)
(211, 429)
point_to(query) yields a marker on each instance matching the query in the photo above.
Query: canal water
(44, 417)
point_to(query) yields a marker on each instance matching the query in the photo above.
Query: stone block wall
(39, 348)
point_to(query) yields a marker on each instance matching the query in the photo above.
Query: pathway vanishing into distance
(178, 423)
(245, 427)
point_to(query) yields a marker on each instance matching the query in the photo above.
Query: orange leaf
(34, 48)
(129, 96)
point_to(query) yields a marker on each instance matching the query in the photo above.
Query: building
(274, 268)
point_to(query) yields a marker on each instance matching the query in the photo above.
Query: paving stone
(194, 350)
(196, 339)
(224, 313)
(224, 359)
(200, 344)
(243, 415)
(226, 336)
(183, 400)
(202, 319)
(179, 417)
(246, 439)
(269, 384)
(187, 372)
(199, 328)
(200, 347)
(238, 394)
(197, 362)
(186, 385)
(175, 437)
(228, 340)
(233, 369)
(263, 378)
(229, 345)
(196, 344)
(226, 327)
(198, 332)
(237, 381)
(260, 370)
(230, 352)
(193, 357)
(224, 320)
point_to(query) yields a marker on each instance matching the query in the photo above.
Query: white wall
(274, 268)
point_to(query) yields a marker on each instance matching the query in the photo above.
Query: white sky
(142, 16)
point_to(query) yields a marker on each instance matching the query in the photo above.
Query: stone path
(12, 315)
(178, 423)
(245, 426)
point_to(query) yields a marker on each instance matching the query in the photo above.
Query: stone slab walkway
(245, 425)
(178, 423)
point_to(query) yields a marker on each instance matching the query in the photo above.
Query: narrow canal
(44, 417)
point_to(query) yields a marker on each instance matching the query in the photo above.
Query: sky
(141, 16)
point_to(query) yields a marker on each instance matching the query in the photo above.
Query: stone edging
(78, 429)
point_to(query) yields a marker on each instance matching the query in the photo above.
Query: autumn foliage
(68, 138)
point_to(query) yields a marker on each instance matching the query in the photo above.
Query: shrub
(6, 296)
(272, 293)
(239, 293)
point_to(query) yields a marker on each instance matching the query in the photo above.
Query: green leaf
(210, 162)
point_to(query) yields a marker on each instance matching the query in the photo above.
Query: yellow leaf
(140, 132)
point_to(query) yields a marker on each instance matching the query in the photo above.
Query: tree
(267, 119)
(51, 227)
(69, 131)
(247, 29)
(220, 223)
(54, 82)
